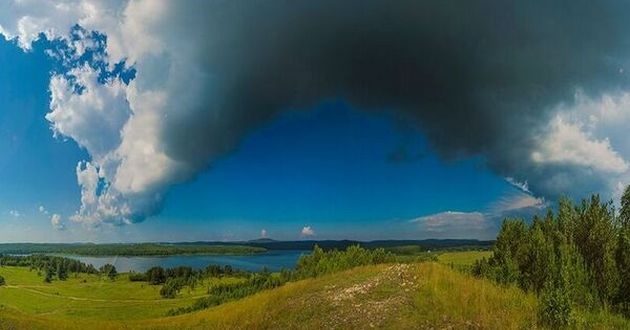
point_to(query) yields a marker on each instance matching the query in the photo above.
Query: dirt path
(363, 303)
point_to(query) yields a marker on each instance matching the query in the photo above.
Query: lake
(273, 260)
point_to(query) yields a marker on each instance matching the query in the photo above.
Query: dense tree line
(50, 267)
(127, 249)
(578, 257)
(174, 279)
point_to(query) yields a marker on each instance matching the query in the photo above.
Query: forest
(575, 258)
(128, 249)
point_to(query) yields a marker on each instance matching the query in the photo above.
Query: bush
(137, 277)
(156, 275)
(555, 308)
(2, 282)
(322, 262)
(108, 270)
(171, 288)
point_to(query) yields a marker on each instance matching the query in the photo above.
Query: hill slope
(396, 296)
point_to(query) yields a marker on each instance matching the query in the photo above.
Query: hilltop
(398, 296)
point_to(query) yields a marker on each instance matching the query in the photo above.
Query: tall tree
(623, 253)
(624, 214)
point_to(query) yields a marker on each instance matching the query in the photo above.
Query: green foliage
(138, 277)
(50, 264)
(596, 238)
(577, 258)
(156, 275)
(128, 249)
(318, 263)
(49, 275)
(406, 250)
(624, 213)
(555, 309)
(321, 262)
(171, 288)
(622, 257)
(108, 270)
(220, 294)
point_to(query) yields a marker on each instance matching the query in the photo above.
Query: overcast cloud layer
(538, 89)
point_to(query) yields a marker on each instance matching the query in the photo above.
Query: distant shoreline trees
(579, 257)
(50, 267)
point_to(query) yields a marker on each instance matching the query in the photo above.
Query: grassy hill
(396, 296)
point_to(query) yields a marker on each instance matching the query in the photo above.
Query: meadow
(391, 295)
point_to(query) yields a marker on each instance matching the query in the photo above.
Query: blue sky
(213, 120)
(343, 172)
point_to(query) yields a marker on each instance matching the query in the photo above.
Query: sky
(209, 120)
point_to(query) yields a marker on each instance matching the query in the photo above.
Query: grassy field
(464, 258)
(91, 296)
(425, 295)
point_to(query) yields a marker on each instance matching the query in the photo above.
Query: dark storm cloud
(477, 77)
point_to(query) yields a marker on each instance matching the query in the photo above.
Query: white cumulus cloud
(57, 222)
(307, 231)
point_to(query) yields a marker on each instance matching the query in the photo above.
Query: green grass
(463, 258)
(391, 296)
(91, 296)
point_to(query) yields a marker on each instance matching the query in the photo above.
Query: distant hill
(262, 240)
(427, 244)
(242, 247)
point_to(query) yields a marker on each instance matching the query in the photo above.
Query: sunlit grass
(462, 258)
(394, 296)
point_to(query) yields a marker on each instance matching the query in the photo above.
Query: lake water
(273, 260)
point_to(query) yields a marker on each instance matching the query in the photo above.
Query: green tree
(622, 255)
(156, 275)
(624, 214)
(49, 275)
(108, 270)
(540, 258)
(62, 272)
(623, 266)
(596, 238)
(555, 309)
(510, 252)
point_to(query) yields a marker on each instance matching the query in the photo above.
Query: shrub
(322, 262)
(108, 270)
(137, 277)
(171, 288)
(555, 308)
(156, 275)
